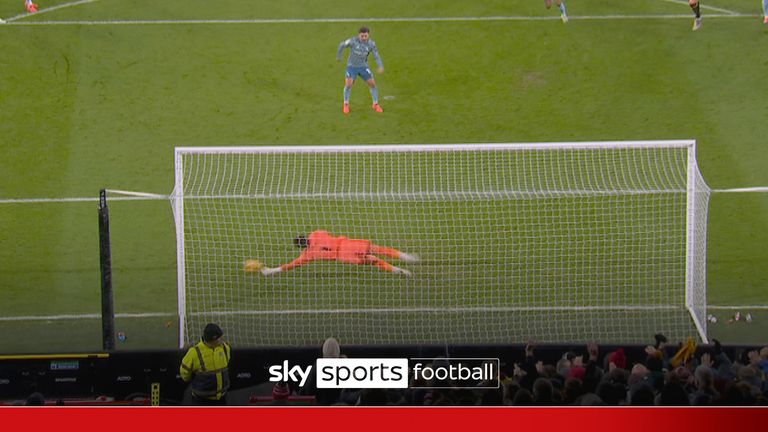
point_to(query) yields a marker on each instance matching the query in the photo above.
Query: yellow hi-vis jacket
(206, 367)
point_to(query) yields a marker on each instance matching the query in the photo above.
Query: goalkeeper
(321, 245)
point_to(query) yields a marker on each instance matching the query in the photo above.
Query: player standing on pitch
(320, 245)
(357, 64)
(694, 4)
(561, 6)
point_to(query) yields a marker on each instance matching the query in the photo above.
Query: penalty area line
(703, 6)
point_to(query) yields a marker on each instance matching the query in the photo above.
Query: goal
(557, 242)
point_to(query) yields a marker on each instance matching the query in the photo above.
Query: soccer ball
(253, 265)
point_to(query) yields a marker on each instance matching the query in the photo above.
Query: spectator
(205, 367)
(572, 390)
(590, 399)
(563, 367)
(750, 375)
(612, 394)
(614, 385)
(550, 372)
(592, 373)
(683, 376)
(659, 349)
(759, 359)
(330, 349)
(638, 373)
(523, 397)
(654, 364)
(722, 365)
(704, 382)
(511, 387)
(673, 394)
(617, 358)
(764, 359)
(572, 382)
(577, 369)
(738, 394)
(528, 372)
(641, 394)
(542, 392)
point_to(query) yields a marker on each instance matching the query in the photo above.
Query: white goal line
(447, 310)
(381, 310)
(147, 196)
(451, 195)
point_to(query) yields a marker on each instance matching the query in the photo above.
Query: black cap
(212, 332)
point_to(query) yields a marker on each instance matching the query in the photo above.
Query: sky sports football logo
(397, 373)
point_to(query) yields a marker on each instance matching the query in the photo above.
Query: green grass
(86, 107)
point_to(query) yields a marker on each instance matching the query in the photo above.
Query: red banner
(391, 419)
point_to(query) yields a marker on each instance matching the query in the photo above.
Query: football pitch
(96, 94)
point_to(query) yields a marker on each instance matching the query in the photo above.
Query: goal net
(557, 242)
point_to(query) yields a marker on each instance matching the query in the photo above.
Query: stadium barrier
(127, 378)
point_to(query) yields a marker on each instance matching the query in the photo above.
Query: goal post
(697, 211)
(177, 202)
(558, 242)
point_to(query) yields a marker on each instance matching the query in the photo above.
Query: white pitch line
(358, 20)
(84, 316)
(46, 10)
(742, 190)
(146, 196)
(704, 6)
(357, 311)
(80, 199)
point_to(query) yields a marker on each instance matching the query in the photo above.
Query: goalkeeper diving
(321, 245)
